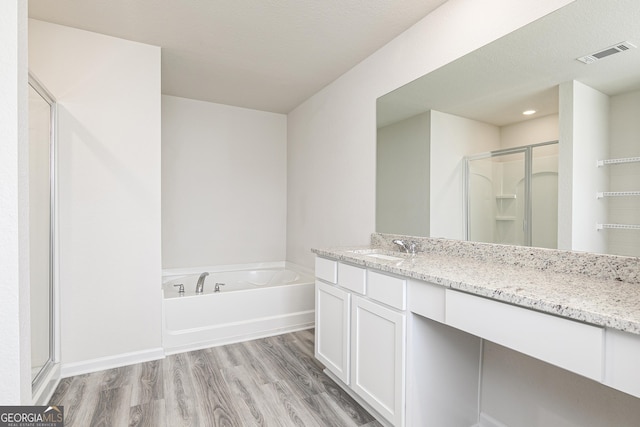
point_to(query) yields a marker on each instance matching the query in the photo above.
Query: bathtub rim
(166, 272)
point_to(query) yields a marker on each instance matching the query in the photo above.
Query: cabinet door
(378, 358)
(332, 329)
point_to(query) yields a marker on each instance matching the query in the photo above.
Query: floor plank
(252, 401)
(112, 407)
(180, 396)
(273, 381)
(215, 406)
(147, 383)
(150, 414)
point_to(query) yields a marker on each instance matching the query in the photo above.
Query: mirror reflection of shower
(511, 196)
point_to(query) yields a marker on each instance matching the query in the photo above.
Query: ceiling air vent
(616, 48)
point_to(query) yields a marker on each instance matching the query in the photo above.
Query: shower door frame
(528, 175)
(43, 382)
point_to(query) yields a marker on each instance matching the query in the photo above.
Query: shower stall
(511, 196)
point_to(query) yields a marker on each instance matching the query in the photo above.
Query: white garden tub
(252, 303)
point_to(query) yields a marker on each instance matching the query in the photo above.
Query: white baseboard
(110, 362)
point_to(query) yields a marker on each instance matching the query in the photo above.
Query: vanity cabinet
(333, 329)
(378, 346)
(361, 334)
(413, 352)
(335, 284)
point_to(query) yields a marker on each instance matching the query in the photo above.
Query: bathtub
(252, 303)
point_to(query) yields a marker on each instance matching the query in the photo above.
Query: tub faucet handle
(180, 287)
(217, 287)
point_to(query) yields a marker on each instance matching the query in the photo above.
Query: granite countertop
(612, 303)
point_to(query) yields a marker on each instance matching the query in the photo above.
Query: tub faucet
(200, 284)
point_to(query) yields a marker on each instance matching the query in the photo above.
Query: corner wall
(584, 132)
(223, 184)
(15, 354)
(332, 135)
(108, 93)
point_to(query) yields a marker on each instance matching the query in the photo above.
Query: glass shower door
(496, 202)
(42, 237)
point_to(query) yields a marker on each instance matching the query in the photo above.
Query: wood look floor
(273, 381)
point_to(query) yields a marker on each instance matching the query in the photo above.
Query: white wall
(108, 92)
(534, 131)
(453, 138)
(584, 132)
(331, 136)
(223, 184)
(402, 177)
(15, 358)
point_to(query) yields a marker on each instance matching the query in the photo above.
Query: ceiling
(268, 55)
(522, 70)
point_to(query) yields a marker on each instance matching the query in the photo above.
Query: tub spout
(200, 284)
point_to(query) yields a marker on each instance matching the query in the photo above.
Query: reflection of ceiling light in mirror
(528, 112)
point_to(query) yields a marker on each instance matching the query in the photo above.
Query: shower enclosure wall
(511, 196)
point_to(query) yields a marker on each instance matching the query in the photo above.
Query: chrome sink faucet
(411, 249)
(200, 284)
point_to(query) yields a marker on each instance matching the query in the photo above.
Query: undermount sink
(385, 257)
(378, 253)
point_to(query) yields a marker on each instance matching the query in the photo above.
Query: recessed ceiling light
(529, 112)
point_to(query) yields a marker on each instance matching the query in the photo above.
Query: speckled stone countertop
(598, 289)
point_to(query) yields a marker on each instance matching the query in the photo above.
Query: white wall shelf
(505, 196)
(603, 194)
(505, 218)
(618, 161)
(618, 226)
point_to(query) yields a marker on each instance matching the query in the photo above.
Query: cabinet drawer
(622, 356)
(387, 289)
(326, 270)
(352, 278)
(568, 344)
(427, 299)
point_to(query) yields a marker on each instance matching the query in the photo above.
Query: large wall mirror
(42, 115)
(447, 141)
